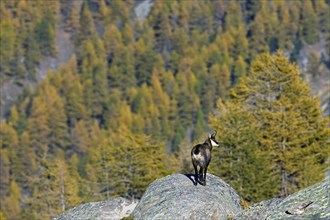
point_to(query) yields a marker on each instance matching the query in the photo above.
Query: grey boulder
(111, 209)
(310, 203)
(176, 197)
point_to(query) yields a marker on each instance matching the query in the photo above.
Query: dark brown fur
(201, 157)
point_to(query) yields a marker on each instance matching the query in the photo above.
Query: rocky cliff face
(176, 197)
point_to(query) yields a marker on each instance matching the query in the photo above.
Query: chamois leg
(196, 174)
(204, 178)
(201, 174)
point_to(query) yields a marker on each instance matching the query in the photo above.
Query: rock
(310, 203)
(108, 209)
(259, 210)
(176, 197)
(143, 9)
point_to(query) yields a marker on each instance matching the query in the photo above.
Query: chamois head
(212, 139)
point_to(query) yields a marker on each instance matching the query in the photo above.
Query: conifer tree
(112, 39)
(57, 120)
(80, 137)
(233, 16)
(200, 124)
(88, 60)
(224, 81)
(8, 147)
(238, 160)
(100, 90)
(239, 68)
(4, 172)
(322, 10)
(26, 166)
(37, 126)
(128, 33)
(73, 22)
(125, 61)
(45, 34)
(144, 57)
(258, 40)
(42, 202)
(65, 186)
(135, 162)
(162, 102)
(240, 44)
(88, 96)
(7, 43)
(285, 30)
(309, 23)
(14, 117)
(294, 135)
(32, 54)
(86, 24)
(75, 109)
(13, 201)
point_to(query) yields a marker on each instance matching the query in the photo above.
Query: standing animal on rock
(201, 157)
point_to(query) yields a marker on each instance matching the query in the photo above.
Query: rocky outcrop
(310, 203)
(111, 209)
(176, 197)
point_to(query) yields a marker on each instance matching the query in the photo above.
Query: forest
(137, 94)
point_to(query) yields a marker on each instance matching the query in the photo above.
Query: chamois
(201, 156)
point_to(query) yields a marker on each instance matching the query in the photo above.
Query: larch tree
(293, 132)
(27, 165)
(258, 40)
(309, 22)
(145, 56)
(8, 146)
(7, 45)
(79, 137)
(240, 67)
(13, 201)
(65, 186)
(285, 31)
(75, 108)
(45, 34)
(37, 127)
(86, 24)
(57, 119)
(233, 16)
(238, 160)
(322, 10)
(162, 101)
(135, 161)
